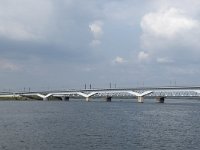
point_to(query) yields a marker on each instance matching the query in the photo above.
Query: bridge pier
(140, 99)
(45, 98)
(160, 99)
(108, 99)
(65, 98)
(87, 99)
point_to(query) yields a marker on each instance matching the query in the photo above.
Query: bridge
(159, 93)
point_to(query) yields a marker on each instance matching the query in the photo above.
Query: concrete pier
(108, 99)
(160, 99)
(140, 99)
(87, 99)
(65, 98)
(45, 98)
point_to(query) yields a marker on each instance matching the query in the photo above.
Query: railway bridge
(159, 93)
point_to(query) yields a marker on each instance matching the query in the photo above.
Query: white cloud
(169, 33)
(97, 32)
(167, 23)
(143, 56)
(96, 29)
(119, 60)
(164, 60)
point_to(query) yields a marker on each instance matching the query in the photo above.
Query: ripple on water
(99, 125)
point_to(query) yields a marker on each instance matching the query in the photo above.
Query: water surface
(119, 125)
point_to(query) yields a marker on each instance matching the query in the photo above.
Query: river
(116, 125)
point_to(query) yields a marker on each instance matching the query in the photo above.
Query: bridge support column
(65, 98)
(45, 99)
(160, 99)
(87, 99)
(140, 99)
(108, 99)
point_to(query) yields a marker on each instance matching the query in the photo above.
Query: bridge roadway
(160, 93)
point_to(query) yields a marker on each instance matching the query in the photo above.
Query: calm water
(80, 125)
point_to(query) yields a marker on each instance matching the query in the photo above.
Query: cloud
(16, 31)
(95, 43)
(143, 56)
(7, 65)
(119, 60)
(170, 33)
(96, 29)
(164, 60)
(24, 19)
(46, 34)
(97, 32)
(167, 23)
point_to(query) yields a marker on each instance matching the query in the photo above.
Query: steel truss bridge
(160, 93)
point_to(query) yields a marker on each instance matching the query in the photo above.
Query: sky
(65, 44)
